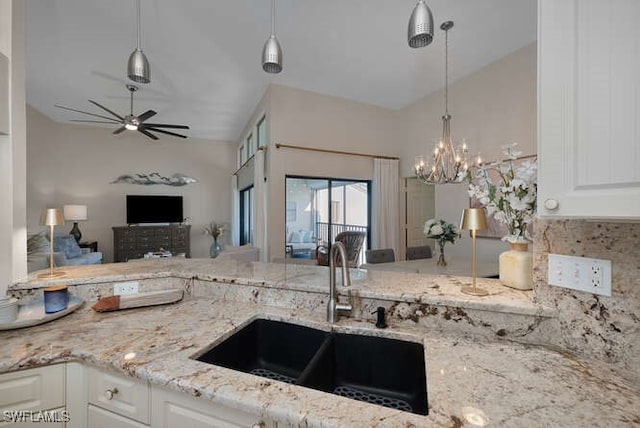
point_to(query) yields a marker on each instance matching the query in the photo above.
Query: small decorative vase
(516, 267)
(215, 248)
(441, 260)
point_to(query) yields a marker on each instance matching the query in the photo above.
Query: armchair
(353, 243)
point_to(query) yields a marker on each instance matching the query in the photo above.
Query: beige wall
(13, 149)
(74, 164)
(490, 108)
(309, 119)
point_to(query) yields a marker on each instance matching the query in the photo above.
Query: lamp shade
(473, 219)
(420, 29)
(75, 212)
(51, 217)
(272, 55)
(138, 68)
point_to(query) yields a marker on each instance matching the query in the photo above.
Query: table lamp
(51, 217)
(75, 213)
(473, 219)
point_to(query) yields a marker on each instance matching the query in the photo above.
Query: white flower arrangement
(214, 229)
(510, 197)
(440, 230)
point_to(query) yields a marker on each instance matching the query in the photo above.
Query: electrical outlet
(580, 273)
(122, 288)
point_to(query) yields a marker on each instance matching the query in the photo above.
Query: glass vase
(215, 248)
(441, 260)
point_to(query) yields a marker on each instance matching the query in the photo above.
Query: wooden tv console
(133, 242)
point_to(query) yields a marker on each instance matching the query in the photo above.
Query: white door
(420, 207)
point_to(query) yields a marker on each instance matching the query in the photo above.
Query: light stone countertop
(509, 384)
(410, 287)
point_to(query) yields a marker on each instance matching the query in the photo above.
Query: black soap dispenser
(381, 322)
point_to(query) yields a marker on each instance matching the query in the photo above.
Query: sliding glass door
(318, 209)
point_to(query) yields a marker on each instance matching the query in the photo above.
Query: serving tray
(33, 314)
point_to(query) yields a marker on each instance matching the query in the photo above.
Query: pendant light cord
(139, 32)
(273, 17)
(446, 72)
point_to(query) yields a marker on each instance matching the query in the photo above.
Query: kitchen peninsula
(475, 366)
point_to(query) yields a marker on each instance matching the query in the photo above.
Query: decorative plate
(33, 314)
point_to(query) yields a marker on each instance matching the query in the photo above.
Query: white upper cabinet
(589, 108)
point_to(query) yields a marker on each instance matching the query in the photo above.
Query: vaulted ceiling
(205, 54)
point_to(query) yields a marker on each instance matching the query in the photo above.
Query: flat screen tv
(154, 209)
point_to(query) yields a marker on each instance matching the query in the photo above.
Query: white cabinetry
(94, 398)
(31, 397)
(172, 409)
(589, 108)
(127, 397)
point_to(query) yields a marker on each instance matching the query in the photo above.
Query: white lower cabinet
(171, 409)
(100, 418)
(125, 396)
(33, 397)
(72, 395)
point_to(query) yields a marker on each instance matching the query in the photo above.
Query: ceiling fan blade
(165, 132)
(85, 112)
(106, 109)
(91, 121)
(146, 115)
(119, 130)
(164, 125)
(147, 133)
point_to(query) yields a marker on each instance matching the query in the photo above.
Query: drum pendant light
(420, 30)
(138, 68)
(272, 52)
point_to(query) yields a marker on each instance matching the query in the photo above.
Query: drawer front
(124, 396)
(172, 409)
(99, 418)
(34, 389)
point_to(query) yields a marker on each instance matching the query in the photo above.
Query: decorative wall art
(176, 180)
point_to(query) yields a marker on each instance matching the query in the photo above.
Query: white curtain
(386, 208)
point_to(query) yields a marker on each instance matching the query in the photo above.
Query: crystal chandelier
(449, 163)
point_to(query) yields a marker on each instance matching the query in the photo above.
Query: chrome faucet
(332, 305)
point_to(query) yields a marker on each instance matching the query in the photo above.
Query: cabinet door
(589, 108)
(99, 418)
(171, 409)
(117, 393)
(34, 389)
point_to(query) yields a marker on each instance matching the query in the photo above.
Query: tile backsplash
(607, 328)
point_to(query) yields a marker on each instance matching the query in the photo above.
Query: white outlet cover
(580, 273)
(124, 288)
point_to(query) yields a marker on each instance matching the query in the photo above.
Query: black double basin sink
(382, 371)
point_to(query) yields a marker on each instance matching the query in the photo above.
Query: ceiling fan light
(131, 126)
(272, 55)
(420, 29)
(138, 68)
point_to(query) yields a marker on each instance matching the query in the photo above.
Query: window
(241, 156)
(246, 210)
(250, 146)
(261, 132)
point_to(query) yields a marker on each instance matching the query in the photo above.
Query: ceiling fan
(130, 122)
